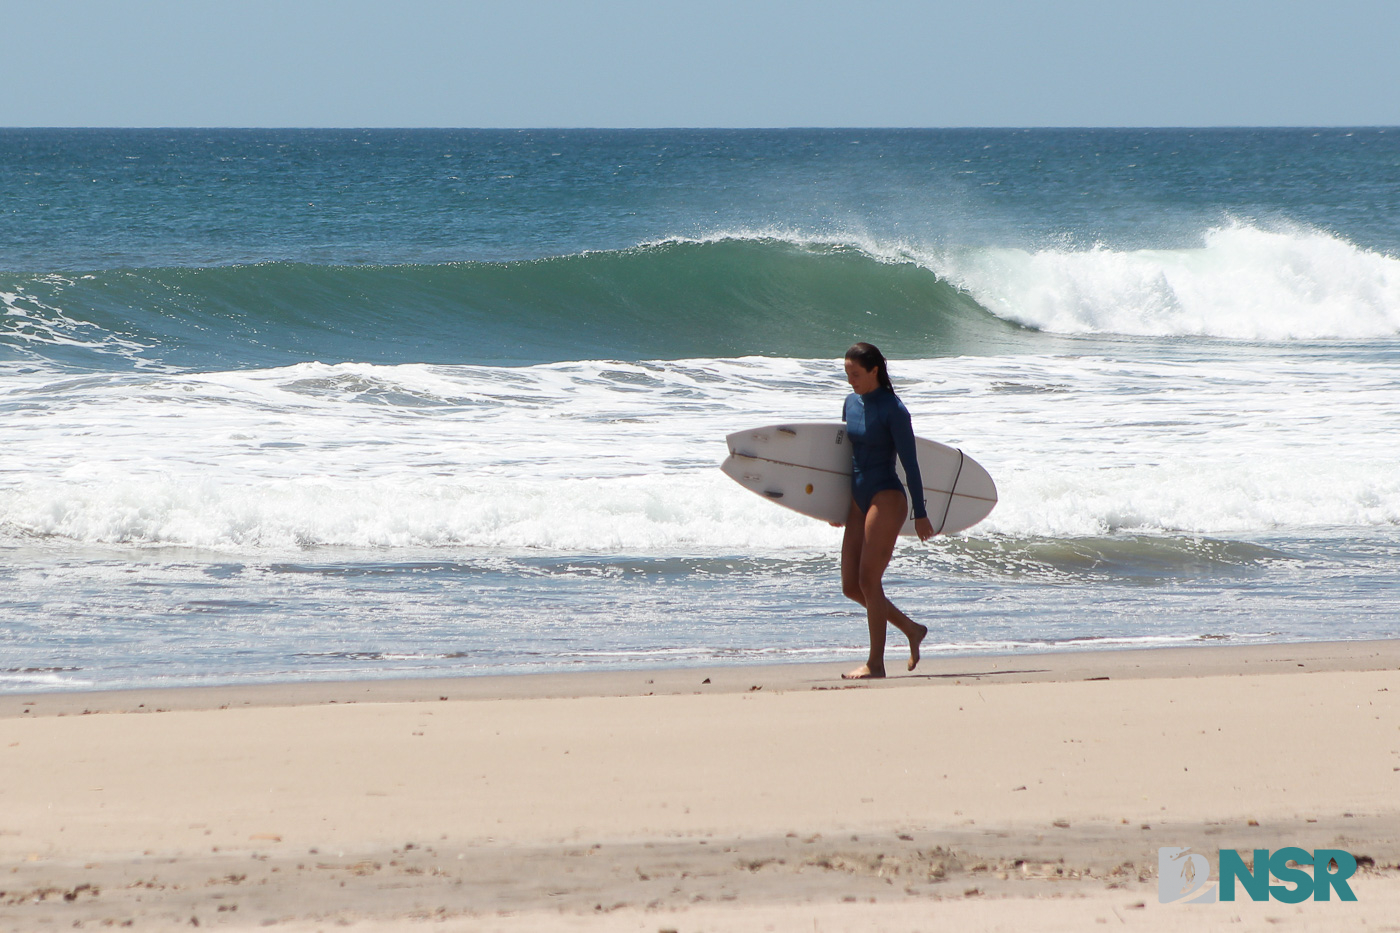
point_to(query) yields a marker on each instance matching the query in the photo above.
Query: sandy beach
(981, 793)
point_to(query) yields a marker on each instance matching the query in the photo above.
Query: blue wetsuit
(878, 425)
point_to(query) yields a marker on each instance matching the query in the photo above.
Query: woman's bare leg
(865, 553)
(851, 544)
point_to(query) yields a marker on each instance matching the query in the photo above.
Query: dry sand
(994, 793)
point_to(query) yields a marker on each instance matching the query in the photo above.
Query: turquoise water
(292, 404)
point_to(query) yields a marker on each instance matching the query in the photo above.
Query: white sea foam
(29, 323)
(1243, 283)
(599, 456)
(33, 681)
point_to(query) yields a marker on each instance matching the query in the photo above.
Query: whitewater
(359, 451)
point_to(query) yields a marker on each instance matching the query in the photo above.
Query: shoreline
(1007, 792)
(1062, 666)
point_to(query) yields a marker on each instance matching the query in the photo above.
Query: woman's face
(862, 380)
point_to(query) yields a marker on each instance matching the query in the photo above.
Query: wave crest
(676, 299)
(732, 294)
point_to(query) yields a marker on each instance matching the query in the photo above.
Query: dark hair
(869, 357)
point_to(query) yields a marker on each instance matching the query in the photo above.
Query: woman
(878, 426)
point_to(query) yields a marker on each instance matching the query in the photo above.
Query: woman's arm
(902, 432)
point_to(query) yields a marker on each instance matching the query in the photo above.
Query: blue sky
(520, 63)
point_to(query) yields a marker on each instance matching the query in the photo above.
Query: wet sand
(1009, 792)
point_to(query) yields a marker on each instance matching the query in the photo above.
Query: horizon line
(679, 128)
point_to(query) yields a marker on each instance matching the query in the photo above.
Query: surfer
(879, 427)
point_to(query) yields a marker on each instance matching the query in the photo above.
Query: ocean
(284, 405)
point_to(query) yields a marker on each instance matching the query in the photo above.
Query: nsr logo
(1184, 878)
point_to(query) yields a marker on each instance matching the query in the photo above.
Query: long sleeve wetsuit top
(879, 426)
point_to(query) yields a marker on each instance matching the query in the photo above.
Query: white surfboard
(806, 467)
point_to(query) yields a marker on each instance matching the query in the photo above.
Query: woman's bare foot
(914, 645)
(864, 672)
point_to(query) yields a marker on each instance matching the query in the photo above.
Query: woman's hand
(923, 528)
